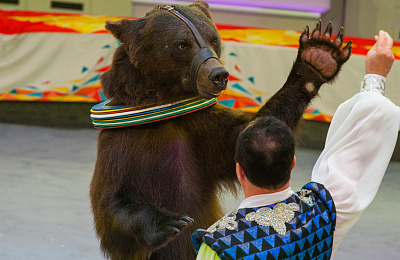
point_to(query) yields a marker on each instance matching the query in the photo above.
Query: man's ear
(239, 172)
(203, 7)
(294, 162)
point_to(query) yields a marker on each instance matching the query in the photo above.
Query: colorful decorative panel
(60, 57)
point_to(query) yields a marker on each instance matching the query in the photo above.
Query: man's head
(265, 151)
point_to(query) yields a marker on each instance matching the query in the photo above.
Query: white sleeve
(358, 148)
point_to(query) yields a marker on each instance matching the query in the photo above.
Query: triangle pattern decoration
(274, 252)
(227, 102)
(84, 69)
(243, 250)
(251, 79)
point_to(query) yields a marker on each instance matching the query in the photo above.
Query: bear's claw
(322, 53)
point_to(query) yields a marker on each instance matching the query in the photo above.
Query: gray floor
(45, 211)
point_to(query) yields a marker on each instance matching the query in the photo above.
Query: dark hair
(265, 151)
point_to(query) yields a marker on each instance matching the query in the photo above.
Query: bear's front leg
(318, 61)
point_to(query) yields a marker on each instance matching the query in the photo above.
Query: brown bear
(157, 180)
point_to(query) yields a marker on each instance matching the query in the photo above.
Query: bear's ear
(129, 32)
(116, 28)
(203, 7)
(124, 29)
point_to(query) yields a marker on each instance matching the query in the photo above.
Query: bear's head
(154, 62)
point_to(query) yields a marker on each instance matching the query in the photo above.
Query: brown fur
(149, 178)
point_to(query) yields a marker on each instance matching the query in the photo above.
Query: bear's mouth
(205, 94)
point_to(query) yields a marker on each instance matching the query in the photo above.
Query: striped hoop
(106, 117)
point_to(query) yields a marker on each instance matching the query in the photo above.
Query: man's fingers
(389, 41)
(382, 40)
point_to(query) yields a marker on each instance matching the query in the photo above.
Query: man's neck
(251, 190)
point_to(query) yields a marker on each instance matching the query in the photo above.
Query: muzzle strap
(202, 55)
(199, 58)
(195, 32)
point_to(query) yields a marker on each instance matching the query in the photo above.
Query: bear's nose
(219, 76)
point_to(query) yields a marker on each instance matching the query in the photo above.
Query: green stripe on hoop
(105, 117)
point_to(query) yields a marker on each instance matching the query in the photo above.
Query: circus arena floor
(45, 210)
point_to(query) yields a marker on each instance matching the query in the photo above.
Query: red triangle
(100, 60)
(233, 78)
(237, 68)
(104, 69)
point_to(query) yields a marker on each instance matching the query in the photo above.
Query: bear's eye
(182, 46)
(214, 42)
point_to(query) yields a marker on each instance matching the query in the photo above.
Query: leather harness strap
(194, 30)
(202, 55)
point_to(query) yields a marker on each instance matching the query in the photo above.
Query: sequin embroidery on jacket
(228, 222)
(276, 217)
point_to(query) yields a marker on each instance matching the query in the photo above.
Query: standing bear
(166, 147)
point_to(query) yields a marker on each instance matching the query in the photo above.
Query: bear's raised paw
(323, 53)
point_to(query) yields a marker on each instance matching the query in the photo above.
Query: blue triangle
(227, 102)
(310, 238)
(328, 229)
(325, 216)
(251, 79)
(107, 46)
(92, 79)
(289, 249)
(231, 252)
(301, 255)
(75, 87)
(270, 240)
(245, 247)
(328, 252)
(258, 244)
(329, 203)
(119, 43)
(237, 86)
(309, 226)
(84, 69)
(310, 251)
(319, 233)
(14, 91)
(262, 255)
(103, 98)
(239, 236)
(226, 240)
(274, 252)
(301, 243)
(328, 241)
(35, 94)
(303, 218)
(320, 245)
(316, 111)
(233, 54)
(285, 239)
(322, 193)
(316, 221)
(259, 99)
(252, 231)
